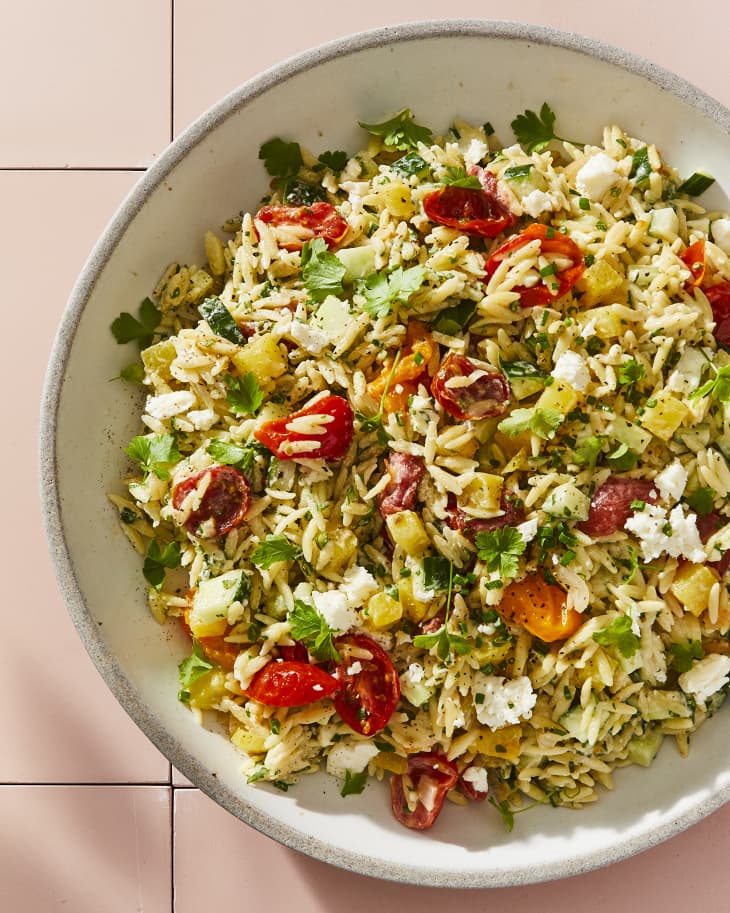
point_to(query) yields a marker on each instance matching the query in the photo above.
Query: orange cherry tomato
(694, 259)
(719, 298)
(217, 649)
(541, 608)
(551, 242)
(298, 224)
(410, 371)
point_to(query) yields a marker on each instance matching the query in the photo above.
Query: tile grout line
(172, 70)
(60, 169)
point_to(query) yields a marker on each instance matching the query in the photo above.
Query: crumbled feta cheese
(721, 234)
(597, 176)
(309, 338)
(415, 673)
(477, 777)
(502, 702)
(571, 367)
(475, 152)
(488, 630)
(358, 585)
(528, 529)
(352, 756)
(685, 378)
(676, 534)
(536, 202)
(672, 481)
(589, 328)
(334, 607)
(168, 404)
(202, 419)
(355, 668)
(706, 676)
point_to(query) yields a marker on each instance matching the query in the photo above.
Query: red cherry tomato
(431, 776)
(611, 504)
(719, 298)
(551, 242)
(296, 652)
(291, 684)
(486, 393)
(298, 224)
(327, 438)
(406, 472)
(470, 526)
(223, 505)
(475, 212)
(370, 691)
(469, 790)
(694, 259)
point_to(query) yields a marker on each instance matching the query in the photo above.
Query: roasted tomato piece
(321, 430)
(470, 526)
(295, 225)
(719, 298)
(222, 505)
(406, 472)
(694, 259)
(418, 795)
(611, 505)
(369, 685)
(468, 390)
(552, 242)
(295, 651)
(475, 212)
(473, 783)
(708, 526)
(541, 608)
(291, 684)
(411, 370)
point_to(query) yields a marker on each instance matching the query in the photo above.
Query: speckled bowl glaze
(481, 71)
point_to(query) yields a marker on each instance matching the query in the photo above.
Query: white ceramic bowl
(480, 71)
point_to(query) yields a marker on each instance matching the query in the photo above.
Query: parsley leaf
(629, 374)
(220, 320)
(126, 327)
(445, 642)
(457, 177)
(354, 783)
(335, 160)
(191, 669)
(157, 560)
(536, 131)
(521, 369)
(632, 565)
(452, 320)
(411, 164)
(382, 291)
(683, 655)
(308, 626)
(322, 271)
(400, 131)
(586, 453)
(437, 572)
(281, 159)
(302, 193)
(244, 395)
(623, 458)
(273, 549)
(702, 501)
(542, 422)
(640, 167)
(233, 455)
(718, 386)
(619, 634)
(154, 453)
(134, 373)
(500, 550)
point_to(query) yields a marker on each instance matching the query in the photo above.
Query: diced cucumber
(214, 597)
(696, 183)
(333, 317)
(572, 722)
(567, 501)
(664, 224)
(624, 432)
(643, 749)
(416, 693)
(359, 262)
(523, 387)
(665, 705)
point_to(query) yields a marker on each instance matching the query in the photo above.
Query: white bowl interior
(479, 71)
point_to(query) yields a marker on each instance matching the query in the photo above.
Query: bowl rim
(63, 562)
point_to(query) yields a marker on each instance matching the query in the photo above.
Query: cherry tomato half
(431, 776)
(406, 472)
(298, 224)
(694, 259)
(291, 684)
(410, 371)
(611, 504)
(369, 685)
(468, 391)
(719, 298)
(541, 608)
(475, 212)
(321, 430)
(551, 242)
(469, 788)
(223, 506)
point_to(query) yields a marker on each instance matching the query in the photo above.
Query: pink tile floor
(93, 820)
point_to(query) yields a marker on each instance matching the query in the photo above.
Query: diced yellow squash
(692, 584)
(206, 692)
(559, 396)
(685, 628)
(490, 653)
(501, 743)
(388, 760)
(248, 741)
(262, 357)
(397, 198)
(598, 283)
(215, 253)
(520, 460)
(201, 284)
(205, 628)
(413, 608)
(158, 358)
(344, 547)
(664, 418)
(407, 531)
(383, 610)
(483, 493)
(606, 320)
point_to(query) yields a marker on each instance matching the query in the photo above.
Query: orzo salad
(433, 470)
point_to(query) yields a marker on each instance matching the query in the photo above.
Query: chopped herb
(126, 327)
(549, 270)
(638, 505)
(411, 164)
(220, 320)
(589, 259)
(281, 159)
(241, 458)
(702, 501)
(154, 453)
(127, 515)
(586, 454)
(640, 167)
(400, 131)
(309, 627)
(444, 640)
(157, 560)
(273, 549)
(488, 129)
(682, 656)
(382, 291)
(521, 369)
(302, 193)
(718, 387)
(322, 271)
(623, 458)
(191, 669)
(536, 131)
(500, 550)
(134, 373)
(354, 783)
(457, 177)
(335, 160)
(629, 374)
(539, 421)
(243, 395)
(584, 203)
(258, 774)
(274, 725)
(619, 634)
(601, 226)
(518, 172)
(437, 573)
(453, 320)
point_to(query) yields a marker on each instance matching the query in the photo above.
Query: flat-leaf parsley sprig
(400, 131)
(536, 131)
(500, 550)
(445, 641)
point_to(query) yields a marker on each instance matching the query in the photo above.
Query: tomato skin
(406, 472)
(540, 607)
(470, 526)
(487, 395)
(474, 212)
(332, 444)
(469, 790)
(611, 504)
(366, 699)
(719, 298)
(430, 772)
(409, 373)
(551, 242)
(291, 684)
(694, 259)
(226, 500)
(320, 220)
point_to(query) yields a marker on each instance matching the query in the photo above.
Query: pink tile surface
(59, 721)
(85, 849)
(669, 878)
(84, 83)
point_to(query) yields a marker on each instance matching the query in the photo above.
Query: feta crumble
(358, 585)
(203, 419)
(675, 534)
(477, 777)
(536, 202)
(334, 607)
(721, 234)
(309, 338)
(475, 152)
(168, 404)
(352, 756)
(415, 673)
(597, 176)
(355, 668)
(672, 481)
(502, 702)
(528, 529)
(572, 368)
(706, 677)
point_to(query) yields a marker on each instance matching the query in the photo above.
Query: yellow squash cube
(607, 321)
(407, 531)
(248, 741)
(665, 417)
(482, 494)
(559, 396)
(262, 357)
(215, 253)
(207, 691)
(383, 610)
(599, 282)
(692, 584)
(388, 760)
(413, 608)
(158, 358)
(502, 743)
(397, 198)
